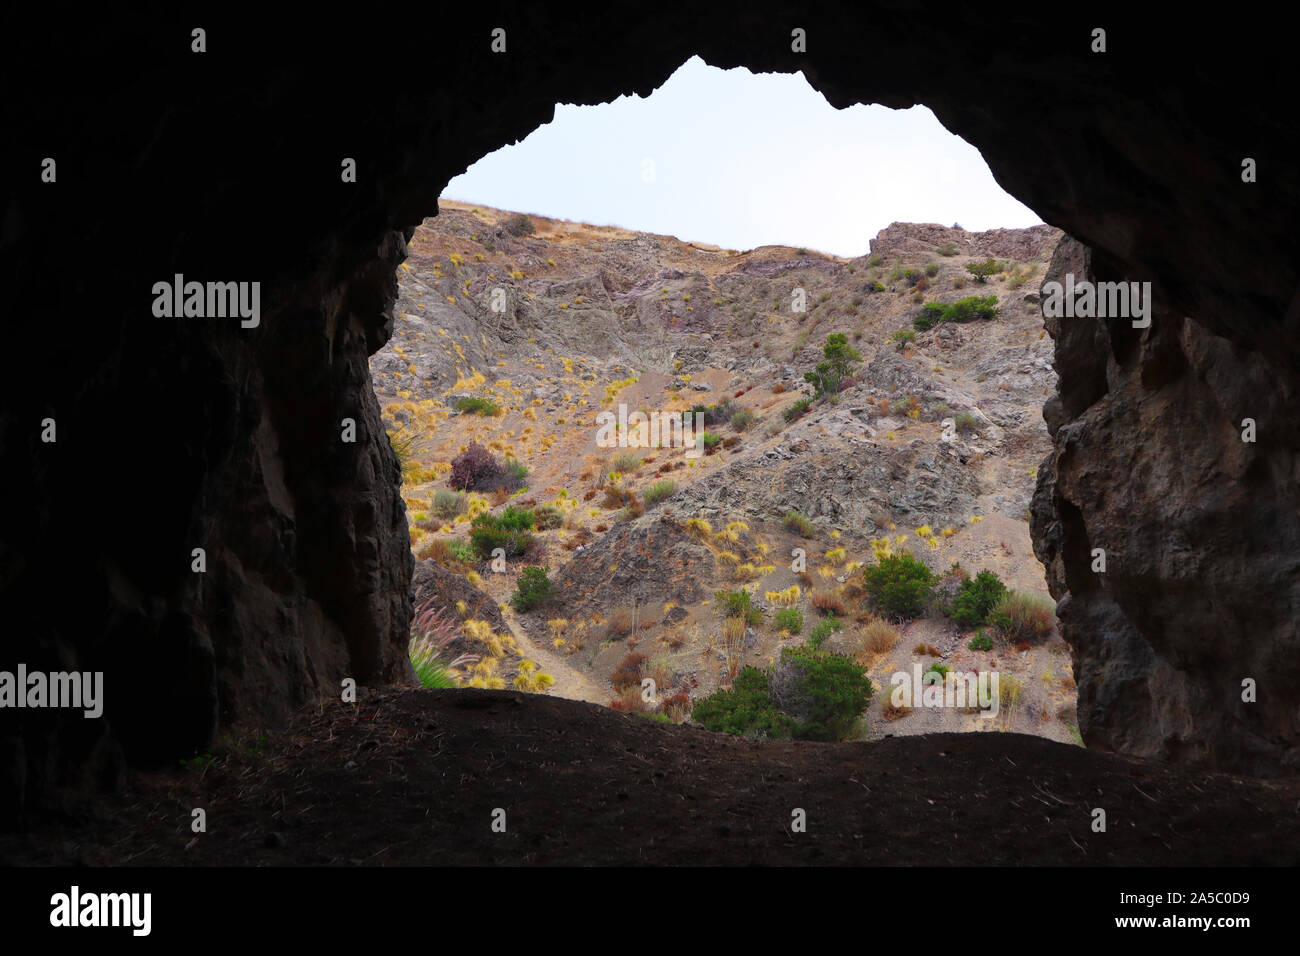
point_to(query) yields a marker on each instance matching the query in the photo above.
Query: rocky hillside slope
(553, 322)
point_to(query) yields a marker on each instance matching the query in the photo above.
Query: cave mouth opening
(557, 351)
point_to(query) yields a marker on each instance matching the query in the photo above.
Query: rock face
(1022, 245)
(228, 165)
(1199, 532)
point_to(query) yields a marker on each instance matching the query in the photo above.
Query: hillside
(548, 323)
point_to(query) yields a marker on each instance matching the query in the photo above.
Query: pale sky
(741, 159)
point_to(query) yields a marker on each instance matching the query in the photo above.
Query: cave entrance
(640, 458)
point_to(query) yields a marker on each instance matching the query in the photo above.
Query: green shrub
(448, 504)
(789, 619)
(966, 421)
(899, 586)
(743, 419)
(738, 604)
(947, 249)
(875, 287)
(516, 475)
(799, 522)
(932, 269)
(902, 338)
(931, 315)
(980, 642)
(972, 308)
(797, 410)
(824, 629)
(982, 270)
(625, 462)
(710, 439)
(840, 357)
(517, 519)
(534, 588)
(1019, 616)
(976, 598)
(938, 669)
(658, 491)
(964, 310)
(823, 693)
(744, 710)
(508, 531)
(471, 405)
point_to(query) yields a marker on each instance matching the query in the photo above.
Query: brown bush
(616, 497)
(630, 702)
(879, 637)
(629, 673)
(618, 626)
(893, 713)
(828, 602)
(678, 706)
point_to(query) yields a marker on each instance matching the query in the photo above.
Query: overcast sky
(741, 159)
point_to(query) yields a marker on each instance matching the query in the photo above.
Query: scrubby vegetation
(899, 585)
(807, 695)
(471, 405)
(533, 590)
(432, 630)
(840, 357)
(509, 531)
(982, 270)
(964, 310)
(788, 619)
(1019, 616)
(476, 469)
(799, 522)
(976, 598)
(657, 492)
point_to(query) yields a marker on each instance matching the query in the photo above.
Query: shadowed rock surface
(225, 166)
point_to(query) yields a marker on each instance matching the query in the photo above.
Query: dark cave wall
(1199, 529)
(225, 166)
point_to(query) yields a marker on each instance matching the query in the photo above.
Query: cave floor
(415, 777)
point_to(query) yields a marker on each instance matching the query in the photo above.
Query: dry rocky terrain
(554, 322)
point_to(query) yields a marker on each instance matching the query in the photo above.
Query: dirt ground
(415, 777)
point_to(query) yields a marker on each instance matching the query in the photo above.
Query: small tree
(976, 598)
(840, 358)
(900, 585)
(534, 588)
(824, 693)
(745, 709)
(982, 270)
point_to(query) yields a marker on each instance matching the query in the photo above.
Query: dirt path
(569, 682)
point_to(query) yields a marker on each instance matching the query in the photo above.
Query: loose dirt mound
(414, 777)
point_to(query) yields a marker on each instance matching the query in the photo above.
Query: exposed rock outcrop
(1199, 532)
